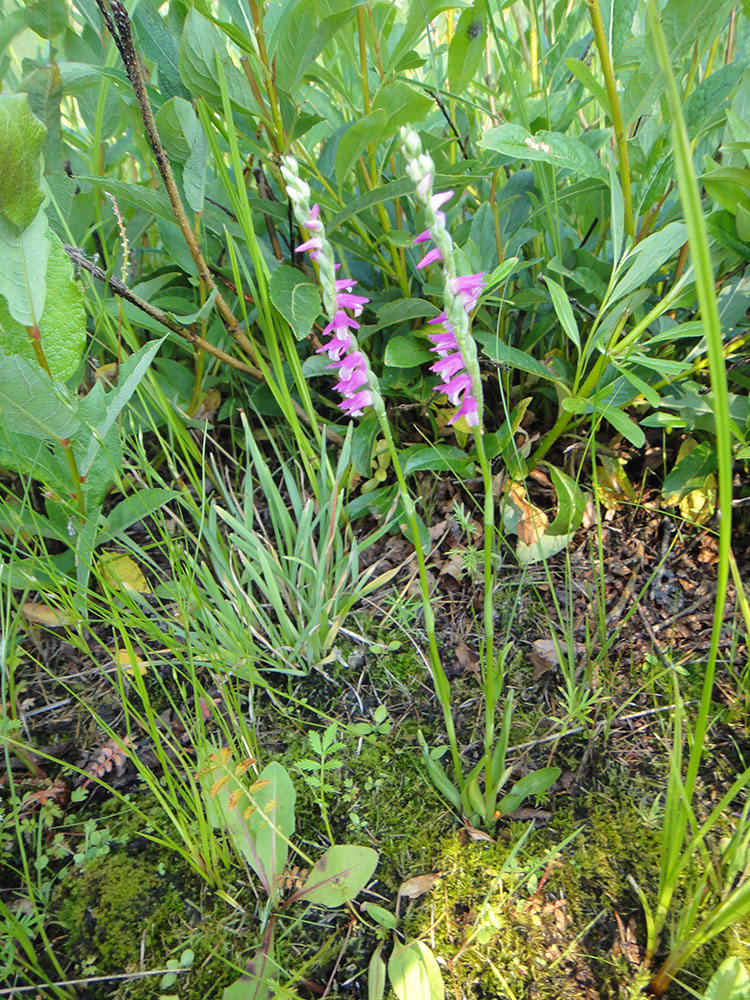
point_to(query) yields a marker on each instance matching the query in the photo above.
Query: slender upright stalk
(439, 678)
(118, 23)
(614, 109)
(706, 290)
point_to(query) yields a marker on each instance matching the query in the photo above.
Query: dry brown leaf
(108, 373)
(467, 659)
(109, 756)
(544, 656)
(417, 886)
(533, 522)
(209, 404)
(43, 614)
(453, 566)
(627, 945)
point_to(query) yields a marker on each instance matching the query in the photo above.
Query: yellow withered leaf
(130, 662)
(123, 573)
(43, 614)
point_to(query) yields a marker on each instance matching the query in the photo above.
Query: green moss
(111, 905)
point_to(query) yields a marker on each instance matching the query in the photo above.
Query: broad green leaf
(571, 503)
(618, 214)
(339, 875)
(439, 778)
(271, 823)
(31, 404)
(296, 298)
(185, 141)
(542, 548)
(418, 19)
(106, 466)
(369, 128)
(645, 259)
(560, 150)
(63, 320)
(363, 441)
(194, 172)
(381, 916)
(617, 17)
(740, 133)
(26, 453)
(402, 310)
(705, 106)
(201, 45)
(301, 39)
(139, 196)
(177, 126)
(402, 104)
(199, 314)
(414, 973)
(258, 980)
(689, 23)
(535, 783)
(729, 186)
(21, 139)
(695, 463)
(376, 974)
(47, 18)
(157, 42)
(564, 311)
(18, 517)
(407, 352)
(24, 266)
(730, 981)
(625, 426)
(467, 47)
(11, 24)
(435, 457)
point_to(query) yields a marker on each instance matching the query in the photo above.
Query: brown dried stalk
(117, 20)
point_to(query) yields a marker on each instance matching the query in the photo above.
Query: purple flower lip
(339, 322)
(469, 287)
(469, 410)
(354, 405)
(448, 366)
(440, 199)
(337, 346)
(430, 257)
(345, 300)
(456, 385)
(313, 222)
(316, 243)
(424, 186)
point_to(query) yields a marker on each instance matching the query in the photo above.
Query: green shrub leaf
(21, 139)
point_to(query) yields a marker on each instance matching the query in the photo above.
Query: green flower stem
(614, 109)
(491, 690)
(439, 678)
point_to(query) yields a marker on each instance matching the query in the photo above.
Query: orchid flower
(457, 366)
(356, 382)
